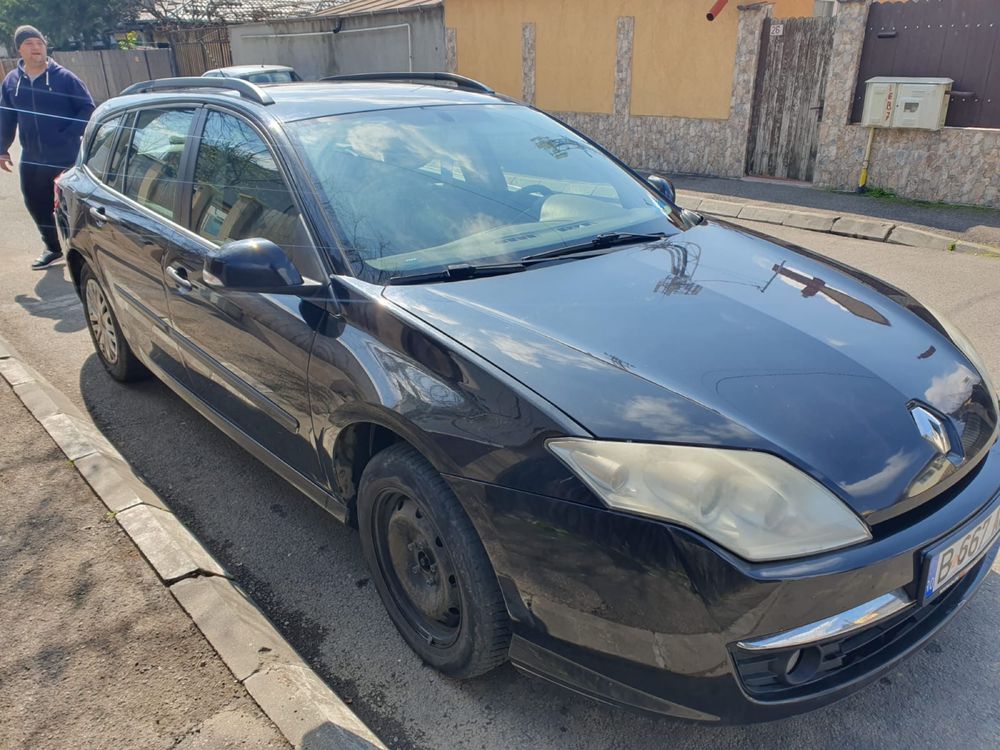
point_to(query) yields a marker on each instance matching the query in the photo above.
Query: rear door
(72, 211)
(247, 354)
(132, 219)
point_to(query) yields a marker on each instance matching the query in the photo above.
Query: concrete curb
(721, 208)
(166, 544)
(288, 691)
(849, 225)
(976, 248)
(865, 229)
(902, 235)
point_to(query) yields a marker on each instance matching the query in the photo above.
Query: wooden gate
(788, 97)
(198, 50)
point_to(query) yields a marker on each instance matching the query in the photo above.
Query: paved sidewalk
(971, 224)
(97, 654)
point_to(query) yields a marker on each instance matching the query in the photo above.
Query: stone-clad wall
(677, 144)
(956, 165)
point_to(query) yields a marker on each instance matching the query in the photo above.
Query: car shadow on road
(55, 298)
(305, 571)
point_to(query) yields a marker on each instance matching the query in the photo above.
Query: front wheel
(109, 342)
(429, 565)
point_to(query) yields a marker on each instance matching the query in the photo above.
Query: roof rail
(460, 81)
(246, 89)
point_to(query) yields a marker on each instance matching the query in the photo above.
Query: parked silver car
(256, 73)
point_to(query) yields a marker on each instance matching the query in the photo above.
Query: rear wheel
(430, 566)
(109, 341)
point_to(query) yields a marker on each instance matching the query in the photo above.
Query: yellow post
(863, 180)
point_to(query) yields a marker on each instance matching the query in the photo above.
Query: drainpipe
(716, 9)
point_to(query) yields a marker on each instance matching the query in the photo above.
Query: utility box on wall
(906, 102)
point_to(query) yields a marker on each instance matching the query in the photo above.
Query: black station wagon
(662, 461)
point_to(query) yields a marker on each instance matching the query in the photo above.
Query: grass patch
(888, 195)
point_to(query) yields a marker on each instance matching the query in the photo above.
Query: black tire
(105, 332)
(458, 624)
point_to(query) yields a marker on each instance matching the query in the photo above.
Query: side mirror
(254, 265)
(692, 217)
(663, 186)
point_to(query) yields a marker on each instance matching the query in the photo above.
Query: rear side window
(100, 147)
(238, 190)
(116, 173)
(154, 157)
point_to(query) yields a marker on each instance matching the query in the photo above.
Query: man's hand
(6, 164)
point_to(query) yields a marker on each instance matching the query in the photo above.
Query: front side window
(100, 148)
(153, 160)
(239, 192)
(418, 189)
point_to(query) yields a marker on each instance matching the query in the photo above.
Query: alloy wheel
(101, 323)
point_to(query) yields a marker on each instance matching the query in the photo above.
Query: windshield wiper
(600, 242)
(458, 272)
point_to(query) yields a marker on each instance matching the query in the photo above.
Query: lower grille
(800, 673)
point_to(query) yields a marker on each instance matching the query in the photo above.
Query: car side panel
(369, 366)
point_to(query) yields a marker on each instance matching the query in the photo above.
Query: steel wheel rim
(102, 325)
(417, 568)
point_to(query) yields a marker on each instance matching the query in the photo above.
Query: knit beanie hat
(24, 33)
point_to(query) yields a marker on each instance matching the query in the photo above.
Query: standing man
(50, 107)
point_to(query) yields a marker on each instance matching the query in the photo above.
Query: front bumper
(649, 615)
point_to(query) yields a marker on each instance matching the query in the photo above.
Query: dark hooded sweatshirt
(50, 114)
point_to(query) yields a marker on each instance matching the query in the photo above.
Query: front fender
(371, 366)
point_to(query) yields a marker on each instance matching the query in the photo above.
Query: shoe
(46, 259)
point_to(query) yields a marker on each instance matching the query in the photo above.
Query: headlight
(753, 504)
(963, 343)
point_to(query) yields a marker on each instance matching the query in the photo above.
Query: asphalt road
(305, 570)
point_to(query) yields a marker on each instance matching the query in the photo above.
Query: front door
(247, 353)
(788, 97)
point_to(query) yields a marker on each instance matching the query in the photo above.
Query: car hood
(721, 337)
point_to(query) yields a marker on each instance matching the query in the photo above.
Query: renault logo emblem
(932, 429)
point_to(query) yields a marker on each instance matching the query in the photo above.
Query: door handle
(98, 215)
(179, 275)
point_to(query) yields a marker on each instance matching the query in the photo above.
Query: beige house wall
(487, 40)
(794, 9)
(666, 90)
(575, 53)
(682, 65)
(701, 145)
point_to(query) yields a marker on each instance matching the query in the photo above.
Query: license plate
(955, 557)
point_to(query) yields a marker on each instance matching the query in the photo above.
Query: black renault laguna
(660, 460)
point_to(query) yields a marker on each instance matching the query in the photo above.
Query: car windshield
(416, 190)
